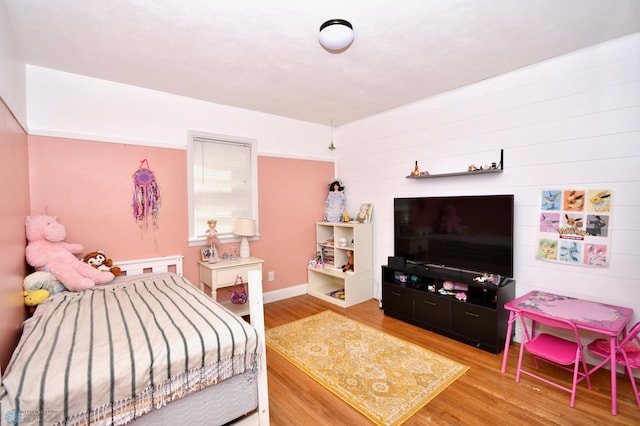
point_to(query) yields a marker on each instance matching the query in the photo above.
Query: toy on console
(101, 262)
(450, 285)
(488, 278)
(47, 251)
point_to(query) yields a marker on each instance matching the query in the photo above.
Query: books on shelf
(328, 257)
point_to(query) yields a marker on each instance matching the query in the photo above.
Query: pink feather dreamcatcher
(146, 198)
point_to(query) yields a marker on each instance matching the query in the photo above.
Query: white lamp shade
(245, 228)
(336, 34)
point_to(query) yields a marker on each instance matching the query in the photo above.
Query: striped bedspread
(110, 354)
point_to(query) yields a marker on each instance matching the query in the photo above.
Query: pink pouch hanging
(239, 295)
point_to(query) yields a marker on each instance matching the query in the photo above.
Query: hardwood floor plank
(482, 395)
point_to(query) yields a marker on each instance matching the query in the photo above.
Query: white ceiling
(264, 55)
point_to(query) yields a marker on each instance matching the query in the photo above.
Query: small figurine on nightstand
(213, 240)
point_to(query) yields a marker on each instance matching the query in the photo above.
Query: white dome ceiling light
(336, 34)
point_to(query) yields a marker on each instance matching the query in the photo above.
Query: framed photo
(205, 253)
(365, 212)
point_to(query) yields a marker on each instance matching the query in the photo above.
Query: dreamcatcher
(146, 198)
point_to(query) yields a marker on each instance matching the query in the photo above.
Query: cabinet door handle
(428, 302)
(472, 314)
(395, 293)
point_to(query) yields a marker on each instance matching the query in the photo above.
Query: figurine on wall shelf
(336, 202)
(416, 171)
(213, 240)
(474, 168)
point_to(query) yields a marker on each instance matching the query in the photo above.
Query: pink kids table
(608, 320)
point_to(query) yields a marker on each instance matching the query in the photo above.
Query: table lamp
(244, 228)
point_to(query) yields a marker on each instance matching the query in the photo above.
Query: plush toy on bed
(38, 286)
(42, 280)
(101, 262)
(34, 298)
(47, 251)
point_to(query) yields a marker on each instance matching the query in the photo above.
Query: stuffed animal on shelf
(47, 251)
(349, 265)
(101, 262)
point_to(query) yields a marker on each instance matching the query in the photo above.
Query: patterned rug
(385, 378)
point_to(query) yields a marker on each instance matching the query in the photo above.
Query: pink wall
(13, 208)
(292, 195)
(88, 186)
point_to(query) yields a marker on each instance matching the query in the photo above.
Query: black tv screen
(472, 232)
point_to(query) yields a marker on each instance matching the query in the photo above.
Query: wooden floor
(482, 395)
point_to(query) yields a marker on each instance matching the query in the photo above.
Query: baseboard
(297, 290)
(285, 293)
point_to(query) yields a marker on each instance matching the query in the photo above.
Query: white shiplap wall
(573, 120)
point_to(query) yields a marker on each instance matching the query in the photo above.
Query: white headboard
(153, 264)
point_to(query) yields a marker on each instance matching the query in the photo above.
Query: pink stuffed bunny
(46, 251)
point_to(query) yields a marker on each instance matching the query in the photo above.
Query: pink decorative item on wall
(146, 198)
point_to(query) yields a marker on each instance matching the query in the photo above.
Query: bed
(149, 348)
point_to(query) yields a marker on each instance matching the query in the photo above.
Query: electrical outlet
(272, 276)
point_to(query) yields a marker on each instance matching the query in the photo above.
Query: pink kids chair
(553, 349)
(627, 354)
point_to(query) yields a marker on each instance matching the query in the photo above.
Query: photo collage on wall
(575, 226)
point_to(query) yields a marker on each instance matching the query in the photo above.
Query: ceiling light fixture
(332, 146)
(336, 34)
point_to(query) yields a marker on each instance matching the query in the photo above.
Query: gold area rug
(385, 378)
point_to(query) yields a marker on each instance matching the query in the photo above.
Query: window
(222, 183)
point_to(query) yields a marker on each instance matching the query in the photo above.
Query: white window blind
(223, 183)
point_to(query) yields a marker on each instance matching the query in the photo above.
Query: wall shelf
(476, 172)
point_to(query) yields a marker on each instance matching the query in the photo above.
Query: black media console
(412, 293)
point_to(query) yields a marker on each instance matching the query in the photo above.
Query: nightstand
(223, 274)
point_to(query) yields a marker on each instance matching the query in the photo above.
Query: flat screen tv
(472, 232)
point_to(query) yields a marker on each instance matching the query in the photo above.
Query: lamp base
(244, 247)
